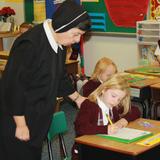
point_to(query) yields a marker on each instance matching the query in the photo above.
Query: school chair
(58, 128)
(59, 100)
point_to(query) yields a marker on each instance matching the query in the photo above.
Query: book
(150, 141)
(127, 135)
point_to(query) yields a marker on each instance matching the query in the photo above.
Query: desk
(2, 64)
(4, 54)
(152, 70)
(71, 66)
(93, 147)
(6, 35)
(141, 91)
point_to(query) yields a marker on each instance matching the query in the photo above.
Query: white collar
(49, 33)
(100, 80)
(105, 110)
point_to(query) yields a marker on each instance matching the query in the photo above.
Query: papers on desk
(127, 135)
(150, 141)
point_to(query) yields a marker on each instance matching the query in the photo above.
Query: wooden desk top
(3, 62)
(152, 70)
(8, 34)
(140, 81)
(4, 54)
(156, 86)
(129, 149)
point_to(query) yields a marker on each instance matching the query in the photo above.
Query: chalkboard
(102, 20)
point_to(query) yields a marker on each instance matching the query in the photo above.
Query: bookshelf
(148, 33)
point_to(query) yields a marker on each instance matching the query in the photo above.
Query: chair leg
(58, 103)
(62, 146)
(50, 153)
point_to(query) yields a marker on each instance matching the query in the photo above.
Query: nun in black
(34, 76)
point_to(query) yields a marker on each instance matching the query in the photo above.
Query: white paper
(129, 133)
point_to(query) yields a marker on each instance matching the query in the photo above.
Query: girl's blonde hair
(116, 81)
(101, 66)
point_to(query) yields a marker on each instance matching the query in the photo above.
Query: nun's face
(69, 37)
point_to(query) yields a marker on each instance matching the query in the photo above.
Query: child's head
(114, 92)
(25, 27)
(104, 68)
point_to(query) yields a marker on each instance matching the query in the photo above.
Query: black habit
(34, 76)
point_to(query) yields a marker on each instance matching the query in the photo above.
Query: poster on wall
(51, 6)
(155, 9)
(116, 16)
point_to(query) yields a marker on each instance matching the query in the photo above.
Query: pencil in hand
(110, 121)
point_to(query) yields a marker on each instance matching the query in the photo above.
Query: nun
(34, 76)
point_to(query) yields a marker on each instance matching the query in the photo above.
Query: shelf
(149, 29)
(147, 43)
(148, 34)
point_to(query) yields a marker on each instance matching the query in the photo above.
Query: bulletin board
(116, 16)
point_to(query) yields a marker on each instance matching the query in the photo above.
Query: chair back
(58, 125)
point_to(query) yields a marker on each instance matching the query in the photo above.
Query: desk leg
(1, 44)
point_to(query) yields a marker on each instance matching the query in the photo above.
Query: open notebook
(127, 135)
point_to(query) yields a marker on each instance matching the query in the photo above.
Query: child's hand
(112, 129)
(116, 126)
(22, 133)
(121, 123)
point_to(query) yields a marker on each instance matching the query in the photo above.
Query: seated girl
(110, 99)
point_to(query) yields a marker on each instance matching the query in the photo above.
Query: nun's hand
(22, 133)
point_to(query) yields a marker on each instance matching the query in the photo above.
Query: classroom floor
(70, 112)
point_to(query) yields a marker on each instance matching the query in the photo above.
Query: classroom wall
(122, 50)
(18, 6)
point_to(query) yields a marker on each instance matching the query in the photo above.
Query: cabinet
(148, 33)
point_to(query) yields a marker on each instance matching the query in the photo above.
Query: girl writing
(111, 100)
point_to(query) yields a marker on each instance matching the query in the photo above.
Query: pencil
(109, 119)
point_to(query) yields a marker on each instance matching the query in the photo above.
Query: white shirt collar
(100, 80)
(105, 110)
(49, 33)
